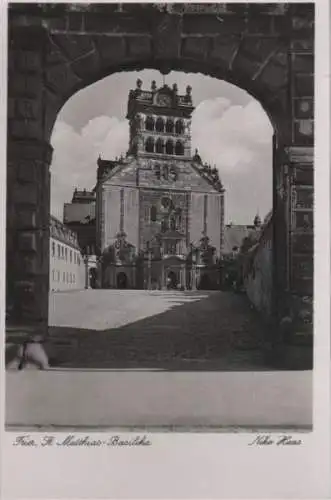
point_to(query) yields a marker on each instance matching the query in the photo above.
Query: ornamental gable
(164, 174)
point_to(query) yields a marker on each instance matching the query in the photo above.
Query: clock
(164, 100)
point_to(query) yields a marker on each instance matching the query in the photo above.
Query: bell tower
(160, 122)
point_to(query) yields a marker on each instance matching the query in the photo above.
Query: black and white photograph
(160, 251)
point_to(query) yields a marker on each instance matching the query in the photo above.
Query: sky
(229, 127)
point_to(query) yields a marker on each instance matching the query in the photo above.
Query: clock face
(164, 100)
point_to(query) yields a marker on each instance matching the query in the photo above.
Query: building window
(70, 256)
(66, 253)
(169, 126)
(64, 277)
(67, 277)
(179, 127)
(74, 278)
(159, 126)
(169, 147)
(159, 146)
(149, 124)
(53, 274)
(58, 251)
(62, 252)
(78, 260)
(179, 149)
(149, 146)
(170, 248)
(58, 275)
(153, 214)
(53, 249)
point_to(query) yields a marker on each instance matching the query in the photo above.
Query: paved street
(155, 329)
(163, 360)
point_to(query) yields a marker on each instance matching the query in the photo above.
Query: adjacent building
(79, 215)
(67, 266)
(159, 210)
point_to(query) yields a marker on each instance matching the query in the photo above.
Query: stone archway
(56, 50)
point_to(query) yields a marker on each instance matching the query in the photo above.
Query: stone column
(28, 230)
(29, 156)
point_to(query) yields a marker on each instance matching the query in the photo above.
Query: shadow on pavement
(219, 331)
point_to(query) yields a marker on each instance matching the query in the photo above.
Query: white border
(196, 466)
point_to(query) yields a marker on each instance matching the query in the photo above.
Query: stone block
(27, 195)
(245, 64)
(304, 45)
(304, 220)
(304, 175)
(74, 46)
(259, 48)
(111, 48)
(260, 24)
(11, 108)
(195, 25)
(303, 243)
(139, 46)
(87, 66)
(195, 46)
(99, 24)
(224, 49)
(303, 63)
(29, 108)
(27, 241)
(28, 264)
(27, 129)
(302, 286)
(28, 60)
(61, 78)
(25, 219)
(304, 108)
(304, 132)
(25, 85)
(274, 76)
(304, 197)
(303, 85)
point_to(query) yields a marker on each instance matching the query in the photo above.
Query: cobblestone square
(156, 329)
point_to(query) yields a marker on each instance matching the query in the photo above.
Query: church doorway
(122, 281)
(172, 281)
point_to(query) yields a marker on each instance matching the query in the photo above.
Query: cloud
(230, 136)
(76, 154)
(236, 138)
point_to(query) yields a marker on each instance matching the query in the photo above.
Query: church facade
(159, 210)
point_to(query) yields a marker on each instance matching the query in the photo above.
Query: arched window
(153, 214)
(149, 146)
(159, 125)
(53, 249)
(159, 146)
(149, 123)
(179, 149)
(179, 127)
(169, 126)
(169, 147)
